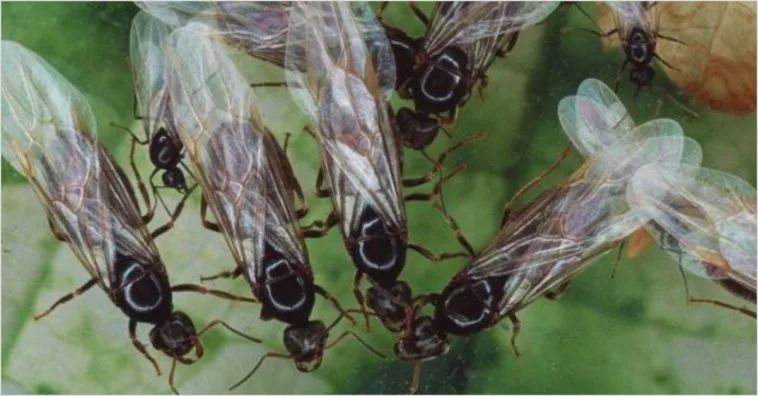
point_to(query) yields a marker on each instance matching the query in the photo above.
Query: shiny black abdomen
(467, 307)
(140, 292)
(286, 292)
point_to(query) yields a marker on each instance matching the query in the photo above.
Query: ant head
(306, 344)
(176, 337)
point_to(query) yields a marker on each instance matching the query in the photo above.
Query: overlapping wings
(556, 235)
(704, 218)
(350, 69)
(631, 14)
(48, 136)
(175, 13)
(257, 28)
(235, 159)
(148, 70)
(462, 23)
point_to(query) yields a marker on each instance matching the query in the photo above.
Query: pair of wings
(257, 28)
(558, 234)
(49, 136)
(481, 28)
(349, 73)
(628, 15)
(704, 218)
(244, 174)
(148, 72)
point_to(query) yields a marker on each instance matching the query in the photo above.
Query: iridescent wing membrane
(148, 65)
(704, 218)
(481, 27)
(237, 161)
(350, 69)
(49, 137)
(556, 236)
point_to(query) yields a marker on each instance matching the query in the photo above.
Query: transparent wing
(47, 136)
(343, 93)
(628, 15)
(330, 38)
(559, 234)
(233, 156)
(174, 13)
(148, 64)
(463, 23)
(258, 28)
(595, 118)
(705, 218)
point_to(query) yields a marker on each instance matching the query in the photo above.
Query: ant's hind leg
(78, 292)
(140, 346)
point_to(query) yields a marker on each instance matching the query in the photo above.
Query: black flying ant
(350, 73)
(49, 137)
(439, 70)
(250, 188)
(153, 104)
(543, 245)
(637, 28)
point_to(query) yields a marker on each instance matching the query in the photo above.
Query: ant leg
(516, 330)
(416, 378)
(187, 169)
(437, 190)
(177, 211)
(618, 259)
(78, 292)
(357, 338)
(144, 141)
(140, 346)
(203, 212)
(741, 310)
(188, 287)
(666, 63)
(359, 297)
(234, 274)
(228, 327)
(558, 292)
(321, 191)
(141, 185)
(156, 193)
(418, 13)
(449, 119)
(618, 76)
(693, 300)
(413, 182)
(264, 357)
(328, 297)
(433, 257)
(508, 206)
(679, 104)
(268, 84)
(171, 377)
(437, 186)
(319, 228)
(382, 8)
(669, 38)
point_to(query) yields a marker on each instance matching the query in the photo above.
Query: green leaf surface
(634, 333)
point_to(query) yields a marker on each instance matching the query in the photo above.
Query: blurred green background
(631, 334)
